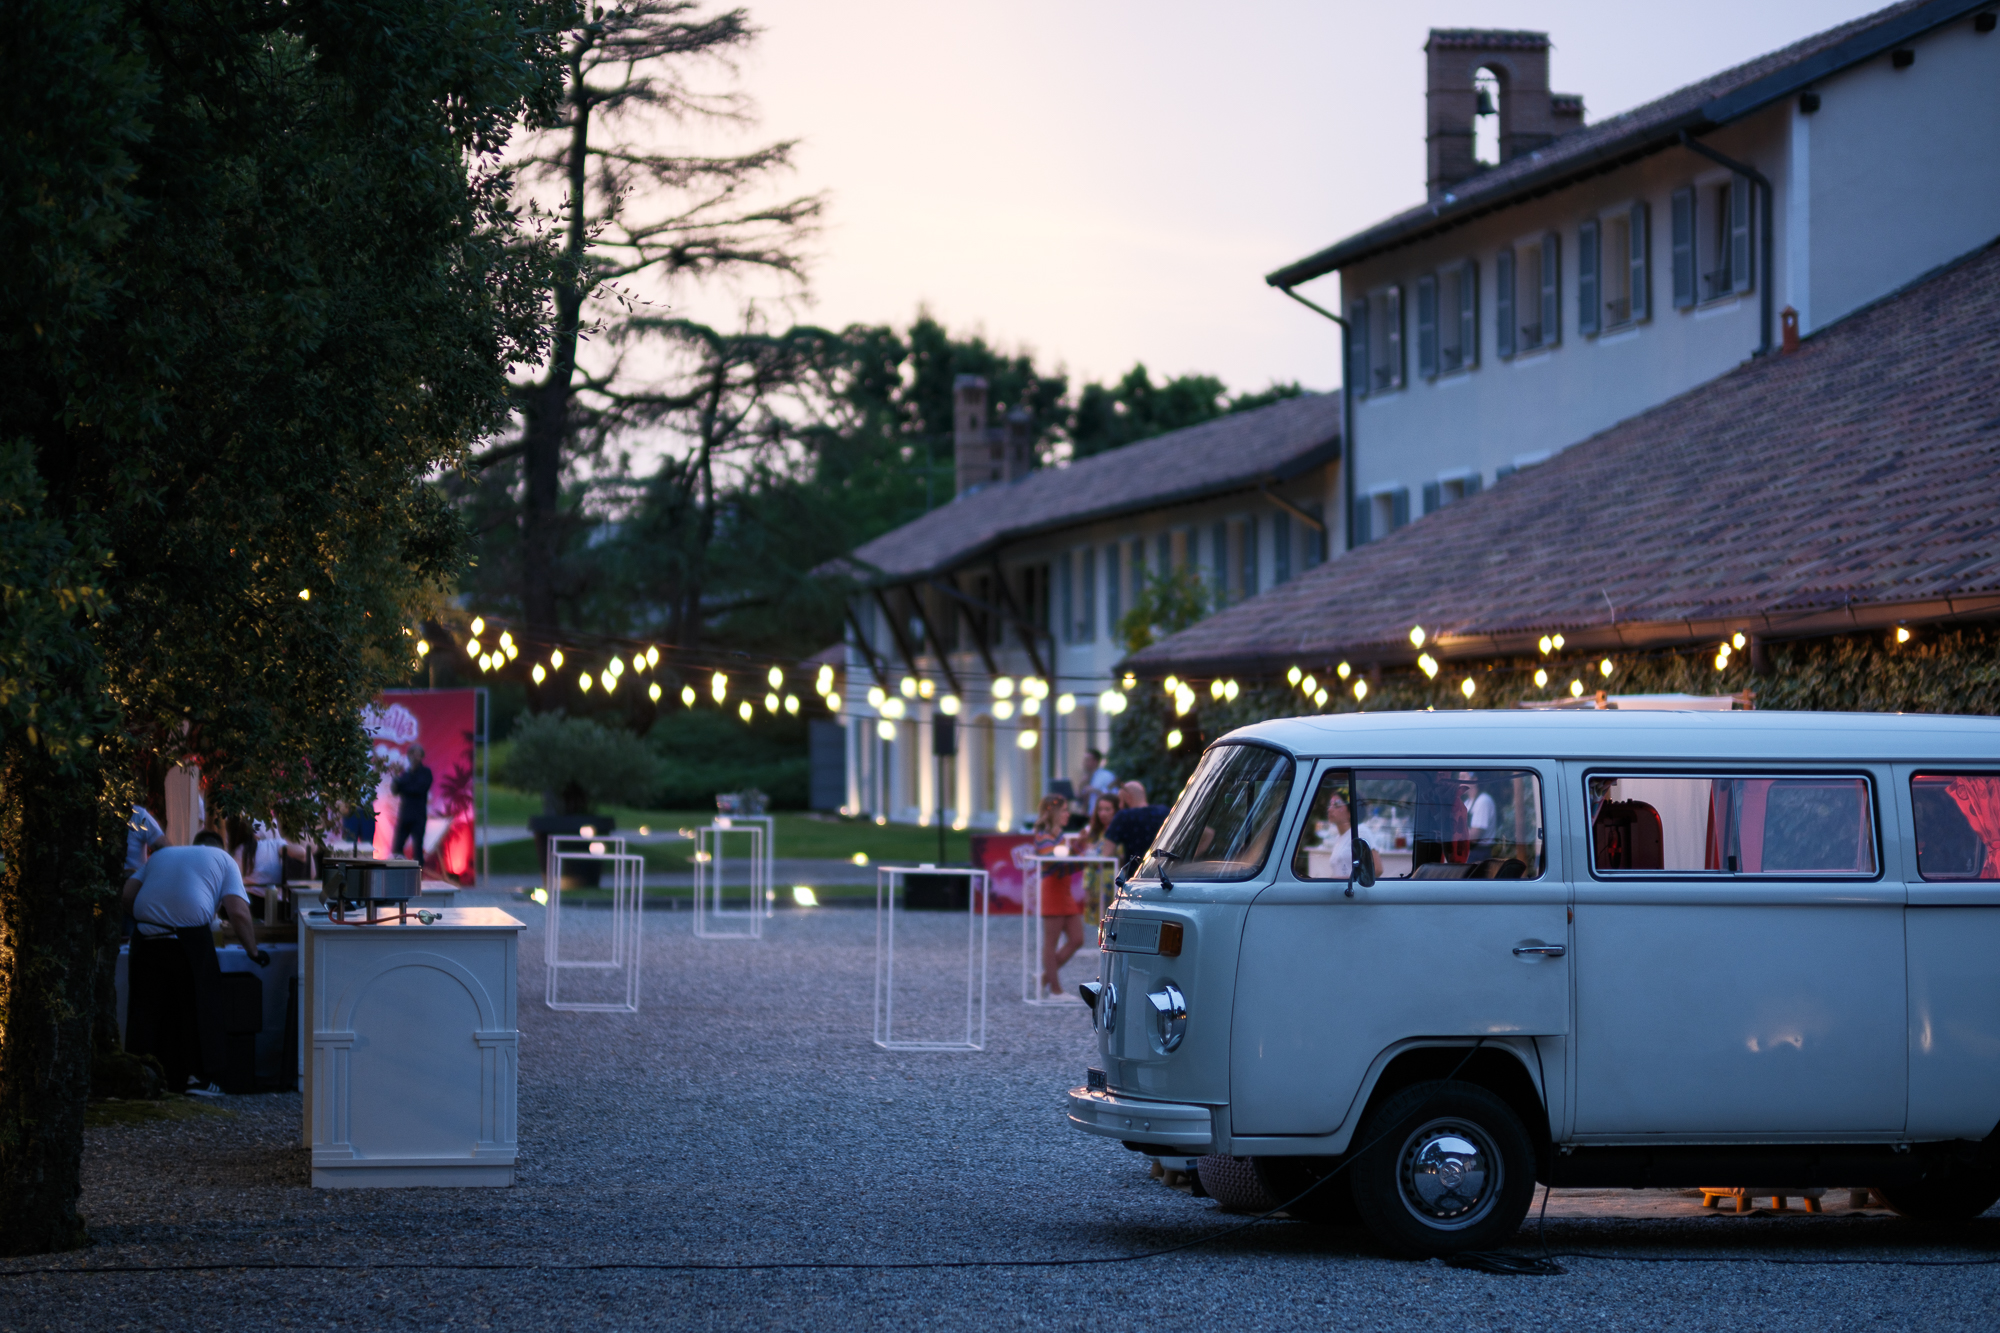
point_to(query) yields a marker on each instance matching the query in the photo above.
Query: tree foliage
(1111, 416)
(1168, 603)
(271, 282)
(577, 763)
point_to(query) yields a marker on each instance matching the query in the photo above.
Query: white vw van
(1461, 953)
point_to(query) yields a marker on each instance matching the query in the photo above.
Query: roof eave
(1713, 114)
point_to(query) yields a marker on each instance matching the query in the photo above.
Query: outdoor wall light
(687, 696)
(1003, 710)
(1028, 740)
(1066, 705)
(555, 659)
(1003, 688)
(1174, 739)
(948, 705)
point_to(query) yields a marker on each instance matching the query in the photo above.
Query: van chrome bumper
(1169, 1124)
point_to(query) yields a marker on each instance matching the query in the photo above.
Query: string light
(512, 651)
(1902, 634)
(1174, 739)
(876, 695)
(925, 689)
(583, 682)
(423, 648)
(1466, 687)
(1416, 636)
(775, 677)
(1003, 688)
(1310, 686)
(1558, 642)
(1605, 668)
(1230, 691)
(1546, 644)
(886, 730)
(1541, 679)
(791, 704)
(478, 626)
(1028, 739)
(825, 682)
(718, 685)
(1319, 698)
(1130, 682)
(616, 668)
(832, 702)
(540, 674)
(1576, 689)
(305, 594)
(687, 695)
(1737, 640)
(653, 655)
(745, 711)
(472, 648)
(555, 659)
(1066, 705)
(1215, 688)
(1031, 707)
(653, 691)
(1428, 665)
(1172, 685)
(891, 708)
(1183, 700)
(1292, 676)
(1343, 671)
(1002, 709)
(948, 705)
(1360, 689)
(908, 685)
(609, 679)
(772, 703)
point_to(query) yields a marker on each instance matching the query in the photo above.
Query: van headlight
(1169, 1017)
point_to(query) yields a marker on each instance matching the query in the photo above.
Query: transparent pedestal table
(770, 827)
(714, 917)
(1032, 915)
(918, 1003)
(618, 963)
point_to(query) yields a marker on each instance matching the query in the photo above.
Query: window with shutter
(1503, 303)
(1252, 576)
(1363, 528)
(1066, 592)
(1427, 326)
(1433, 497)
(1114, 608)
(1086, 620)
(1281, 548)
(1551, 290)
(1683, 244)
(1357, 348)
(1400, 507)
(1639, 272)
(1588, 320)
(1468, 312)
(1739, 234)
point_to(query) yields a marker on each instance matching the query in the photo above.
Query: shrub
(576, 764)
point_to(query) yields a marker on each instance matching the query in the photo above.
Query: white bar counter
(410, 1043)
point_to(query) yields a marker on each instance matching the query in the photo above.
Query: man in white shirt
(173, 1003)
(1481, 815)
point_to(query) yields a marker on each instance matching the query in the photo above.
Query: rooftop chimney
(1530, 115)
(987, 454)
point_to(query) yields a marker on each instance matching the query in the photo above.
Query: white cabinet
(410, 1043)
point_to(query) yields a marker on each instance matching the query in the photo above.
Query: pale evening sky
(1106, 183)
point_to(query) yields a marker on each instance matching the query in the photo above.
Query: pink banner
(444, 722)
(994, 853)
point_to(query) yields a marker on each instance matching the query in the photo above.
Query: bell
(1485, 106)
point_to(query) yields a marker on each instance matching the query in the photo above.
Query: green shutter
(1588, 310)
(1683, 223)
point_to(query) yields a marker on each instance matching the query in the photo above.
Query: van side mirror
(1363, 871)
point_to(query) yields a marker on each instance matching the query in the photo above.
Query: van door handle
(1542, 950)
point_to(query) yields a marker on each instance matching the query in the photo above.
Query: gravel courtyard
(744, 1116)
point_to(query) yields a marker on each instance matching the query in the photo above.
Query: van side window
(1958, 825)
(1732, 826)
(1424, 824)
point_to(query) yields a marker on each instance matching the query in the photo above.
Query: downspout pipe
(1694, 145)
(1347, 411)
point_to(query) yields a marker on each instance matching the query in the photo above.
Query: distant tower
(987, 454)
(1530, 115)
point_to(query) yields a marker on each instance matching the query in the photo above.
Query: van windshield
(1223, 825)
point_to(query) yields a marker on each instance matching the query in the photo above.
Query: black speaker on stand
(944, 745)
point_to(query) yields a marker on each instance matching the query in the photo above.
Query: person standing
(1137, 824)
(143, 836)
(413, 790)
(173, 1006)
(1062, 913)
(1097, 779)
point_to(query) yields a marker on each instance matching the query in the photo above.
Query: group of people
(1121, 824)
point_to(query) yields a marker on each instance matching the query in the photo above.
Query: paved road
(743, 1116)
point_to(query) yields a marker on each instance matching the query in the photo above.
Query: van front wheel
(1445, 1167)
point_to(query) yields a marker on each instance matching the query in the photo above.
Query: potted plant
(577, 765)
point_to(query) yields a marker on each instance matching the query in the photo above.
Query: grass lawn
(814, 837)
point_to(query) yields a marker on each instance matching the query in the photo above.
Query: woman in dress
(1062, 911)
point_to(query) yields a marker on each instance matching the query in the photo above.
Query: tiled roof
(1698, 107)
(1852, 483)
(1231, 453)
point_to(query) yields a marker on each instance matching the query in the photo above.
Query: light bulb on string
(772, 703)
(1557, 640)
(1343, 671)
(718, 685)
(1172, 685)
(908, 687)
(653, 691)
(926, 689)
(1605, 667)
(1215, 689)
(876, 694)
(1293, 676)
(1003, 688)
(1428, 665)
(653, 655)
(1028, 740)
(423, 648)
(1541, 679)
(1737, 640)
(1576, 689)
(555, 659)
(1361, 689)
(745, 711)
(1230, 691)
(886, 730)
(775, 676)
(609, 679)
(792, 705)
(478, 626)
(1319, 697)
(1309, 685)
(687, 695)
(540, 673)
(616, 667)
(472, 648)
(1546, 644)
(1003, 709)
(1467, 687)
(824, 683)
(512, 651)
(1174, 739)
(1031, 707)
(1416, 636)
(1065, 705)
(948, 705)
(583, 682)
